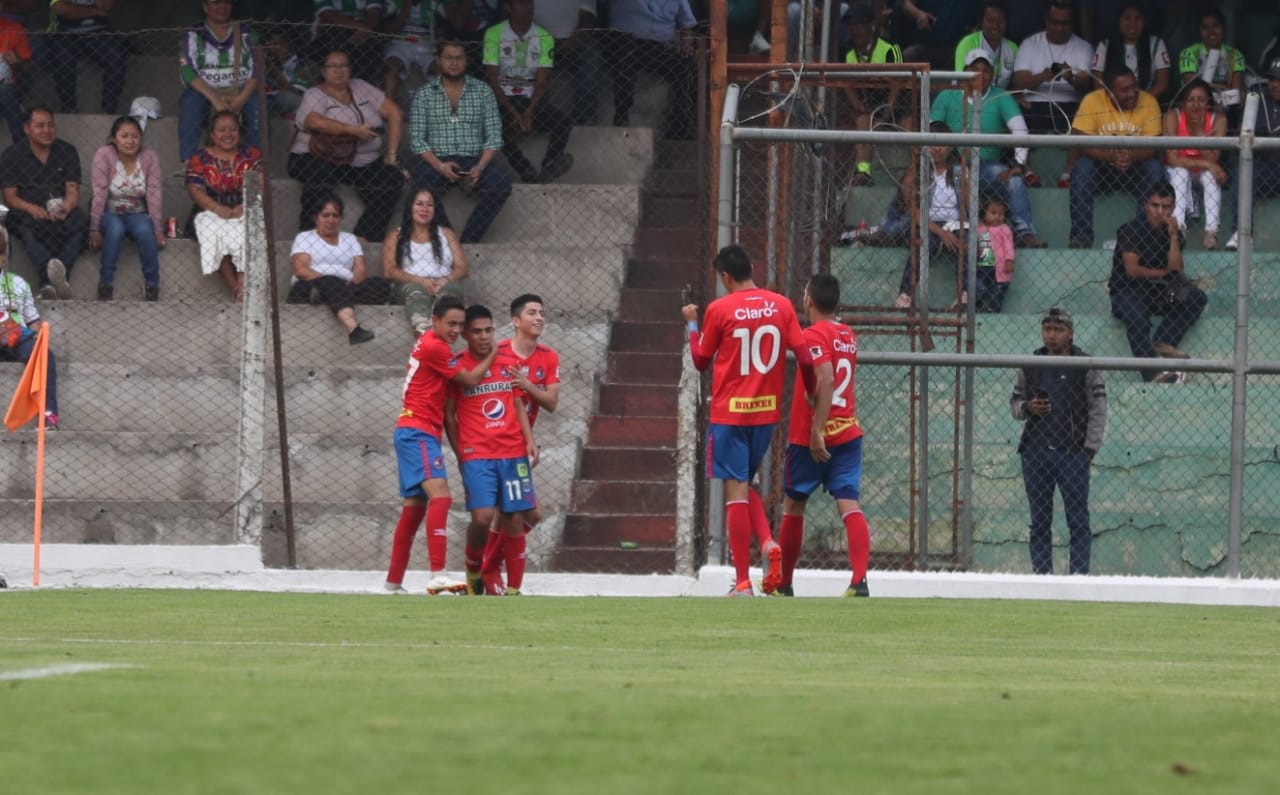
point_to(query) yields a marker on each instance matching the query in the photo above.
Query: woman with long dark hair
(1134, 46)
(424, 260)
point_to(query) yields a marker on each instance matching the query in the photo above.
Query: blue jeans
(115, 228)
(107, 50)
(1266, 184)
(193, 113)
(493, 191)
(583, 64)
(1043, 469)
(45, 240)
(935, 252)
(1013, 193)
(21, 354)
(1089, 177)
(1133, 305)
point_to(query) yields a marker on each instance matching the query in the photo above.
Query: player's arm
(451, 423)
(526, 430)
(475, 375)
(699, 350)
(547, 397)
(825, 380)
(804, 359)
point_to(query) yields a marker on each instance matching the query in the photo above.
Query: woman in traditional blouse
(215, 183)
(330, 262)
(425, 259)
(126, 203)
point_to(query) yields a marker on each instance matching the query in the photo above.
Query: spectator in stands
(572, 24)
(997, 258)
(517, 62)
(215, 183)
(1100, 19)
(654, 37)
(19, 323)
(1266, 165)
(1064, 412)
(999, 113)
(943, 222)
(413, 43)
(352, 26)
(126, 203)
(872, 105)
(328, 266)
(348, 134)
(1137, 48)
(1116, 109)
(40, 177)
(289, 75)
(466, 21)
(1147, 279)
(456, 130)
(82, 30)
(1051, 72)
(15, 57)
(1194, 117)
(217, 71)
(939, 24)
(1220, 65)
(989, 37)
(424, 260)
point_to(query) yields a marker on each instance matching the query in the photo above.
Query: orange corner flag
(29, 398)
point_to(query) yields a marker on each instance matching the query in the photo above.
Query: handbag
(338, 149)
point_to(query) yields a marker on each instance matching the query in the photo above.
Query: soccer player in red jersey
(489, 431)
(537, 376)
(746, 334)
(419, 457)
(825, 440)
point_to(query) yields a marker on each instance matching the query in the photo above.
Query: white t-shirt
(944, 201)
(560, 17)
(421, 260)
(16, 300)
(1036, 54)
(1159, 58)
(329, 260)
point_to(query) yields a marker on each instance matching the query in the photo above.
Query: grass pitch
(285, 693)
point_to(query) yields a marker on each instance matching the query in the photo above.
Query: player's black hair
(824, 292)
(477, 312)
(444, 303)
(517, 306)
(735, 261)
(1160, 190)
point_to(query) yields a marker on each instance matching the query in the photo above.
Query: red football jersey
(487, 423)
(836, 344)
(542, 368)
(431, 366)
(748, 332)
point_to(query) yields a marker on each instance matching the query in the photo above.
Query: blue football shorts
(734, 452)
(841, 476)
(418, 458)
(502, 483)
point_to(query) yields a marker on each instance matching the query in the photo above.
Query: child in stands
(995, 256)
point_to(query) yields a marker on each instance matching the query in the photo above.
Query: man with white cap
(1064, 412)
(998, 113)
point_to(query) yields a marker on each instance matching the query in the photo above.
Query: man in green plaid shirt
(456, 131)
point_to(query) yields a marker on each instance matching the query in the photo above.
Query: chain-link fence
(979, 455)
(238, 376)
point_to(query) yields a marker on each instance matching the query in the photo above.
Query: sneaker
(857, 589)
(1031, 179)
(556, 168)
(51, 420)
(47, 293)
(1233, 242)
(1170, 377)
(772, 553)
(359, 334)
(783, 590)
(151, 293)
(759, 44)
(393, 587)
(742, 589)
(1168, 351)
(58, 279)
(1064, 181)
(1210, 240)
(511, 592)
(441, 584)
(1029, 240)
(1080, 242)
(475, 583)
(903, 301)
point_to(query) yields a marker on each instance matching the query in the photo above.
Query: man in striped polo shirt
(217, 71)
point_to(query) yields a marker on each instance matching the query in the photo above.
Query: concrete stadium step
(644, 400)
(663, 274)
(648, 304)
(633, 431)
(645, 368)
(635, 335)
(634, 463)
(606, 496)
(615, 560)
(610, 530)
(118, 521)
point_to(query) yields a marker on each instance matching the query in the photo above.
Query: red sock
(791, 537)
(737, 519)
(474, 557)
(402, 542)
(859, 537)
(759, 522)
(528, 528)
(493, 555)
(438, 531)
(513, 549)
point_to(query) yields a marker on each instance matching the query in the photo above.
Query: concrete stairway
(622, 514)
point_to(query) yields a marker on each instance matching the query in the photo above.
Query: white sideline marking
(66, 669)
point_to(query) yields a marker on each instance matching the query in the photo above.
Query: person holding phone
(1064, 416)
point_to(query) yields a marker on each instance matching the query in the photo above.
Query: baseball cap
(976, 54)
(1058, 315)
(1273, 69)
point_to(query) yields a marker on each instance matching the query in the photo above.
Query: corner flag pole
(30, 400)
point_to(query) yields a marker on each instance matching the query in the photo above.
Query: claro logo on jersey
(844, 347)
(756, 313)
(753, 405)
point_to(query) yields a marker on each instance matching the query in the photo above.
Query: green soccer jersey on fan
(517, 57)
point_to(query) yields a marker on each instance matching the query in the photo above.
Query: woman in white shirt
(944, 223)
(1135, 47)
(424, 259)
(329, 264)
